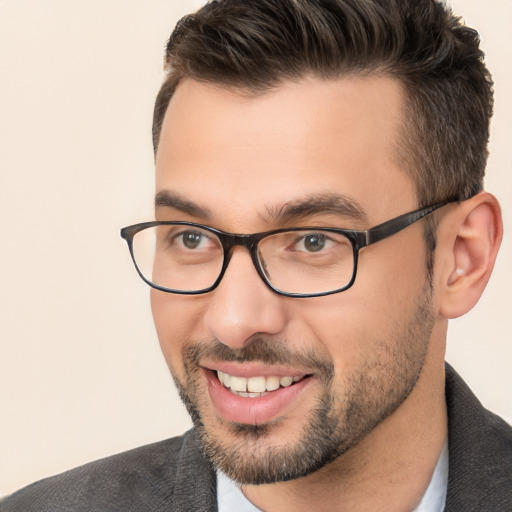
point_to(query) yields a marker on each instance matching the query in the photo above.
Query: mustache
(262, 350)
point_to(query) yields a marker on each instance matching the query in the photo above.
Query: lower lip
(253, 411)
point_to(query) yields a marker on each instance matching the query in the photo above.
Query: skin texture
(374, 398)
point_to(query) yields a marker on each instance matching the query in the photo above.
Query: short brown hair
(254, 45)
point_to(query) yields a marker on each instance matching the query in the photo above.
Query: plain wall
(81, 375)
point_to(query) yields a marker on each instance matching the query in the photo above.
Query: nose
(242, 305)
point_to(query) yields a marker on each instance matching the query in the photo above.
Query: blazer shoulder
(480, 451)
(139, 479)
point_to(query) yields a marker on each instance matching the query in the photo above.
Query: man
(319, 219)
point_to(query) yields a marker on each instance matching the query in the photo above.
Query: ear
(469, 237)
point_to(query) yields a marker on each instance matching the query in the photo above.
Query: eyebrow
(168, 199)
(317, 204)
(340, 205)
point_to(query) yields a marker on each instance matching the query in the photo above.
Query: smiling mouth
(255, 387)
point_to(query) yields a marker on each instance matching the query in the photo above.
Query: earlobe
(471, 236)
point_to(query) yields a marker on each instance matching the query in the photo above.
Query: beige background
(81, 375)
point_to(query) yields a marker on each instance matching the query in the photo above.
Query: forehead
(240, 153)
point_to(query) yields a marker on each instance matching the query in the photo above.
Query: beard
(342, 415)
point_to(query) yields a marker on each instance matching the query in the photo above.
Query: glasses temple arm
(393, 226)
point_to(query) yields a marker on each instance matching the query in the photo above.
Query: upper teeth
(255, 384)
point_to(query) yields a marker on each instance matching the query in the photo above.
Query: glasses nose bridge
(230, 240)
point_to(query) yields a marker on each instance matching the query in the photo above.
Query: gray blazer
(173, 475)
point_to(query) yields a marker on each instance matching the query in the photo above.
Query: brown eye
(314, 242)
(191, 239)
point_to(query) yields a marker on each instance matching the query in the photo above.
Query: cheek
(392, 274)
(354, 326)
(178, 319)
(336, 325)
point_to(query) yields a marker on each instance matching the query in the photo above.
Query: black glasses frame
(358, 238)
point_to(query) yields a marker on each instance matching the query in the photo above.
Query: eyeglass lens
(190, 259)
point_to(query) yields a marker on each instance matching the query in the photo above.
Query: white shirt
(231, 499)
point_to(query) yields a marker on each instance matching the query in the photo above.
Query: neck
(389, 470)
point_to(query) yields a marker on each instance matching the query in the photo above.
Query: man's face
(304, 154)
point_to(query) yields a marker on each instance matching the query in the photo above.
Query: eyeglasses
(189, 258)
